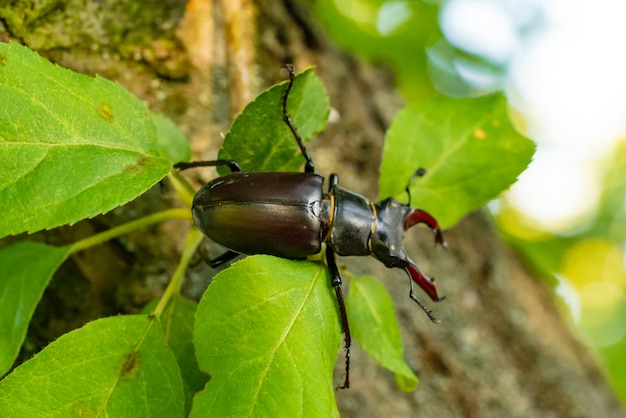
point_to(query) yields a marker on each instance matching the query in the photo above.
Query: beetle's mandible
(288, 215)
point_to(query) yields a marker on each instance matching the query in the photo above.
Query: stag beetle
(288, 215)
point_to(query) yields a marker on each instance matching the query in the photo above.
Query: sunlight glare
(481, 27)
(391, 15)
(569, 80)
(556, 191)
(570, 297)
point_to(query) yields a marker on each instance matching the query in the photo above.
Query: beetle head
(392, 220)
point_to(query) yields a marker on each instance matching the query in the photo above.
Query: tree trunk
(502, 349)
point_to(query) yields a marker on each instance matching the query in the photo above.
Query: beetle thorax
(351, 224)
(386, 240)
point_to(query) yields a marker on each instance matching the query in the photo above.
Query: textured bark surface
(502, 349)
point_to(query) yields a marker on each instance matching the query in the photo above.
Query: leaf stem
(165, 215)
(185, 191)
(193, 240)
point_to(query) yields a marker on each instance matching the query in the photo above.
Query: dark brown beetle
(288, 215)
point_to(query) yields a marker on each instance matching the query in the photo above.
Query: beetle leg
(233, 165)
(308, 166)
(336, 282)
(333, 180)
(224, 258)
(213, 262)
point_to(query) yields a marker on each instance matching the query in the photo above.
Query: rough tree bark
(502, 349)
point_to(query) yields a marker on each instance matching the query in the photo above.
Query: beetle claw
(415, 216)
(426, 283)
(439, 238)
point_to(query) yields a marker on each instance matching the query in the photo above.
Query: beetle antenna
(428, 312)
(415, 216)
(308, 166)
(419, 173)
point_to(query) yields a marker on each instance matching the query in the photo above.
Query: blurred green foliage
(356, 26)
(406, 35)
(585, 266)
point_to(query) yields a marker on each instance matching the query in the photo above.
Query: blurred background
(562, 65)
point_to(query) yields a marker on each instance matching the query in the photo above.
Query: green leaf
(118, 367)
(27, 268)
(177, 321)
(259, 139)
(373, 323)
(71, 146)
(267, 331)
(172, 142)
(469, 148)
